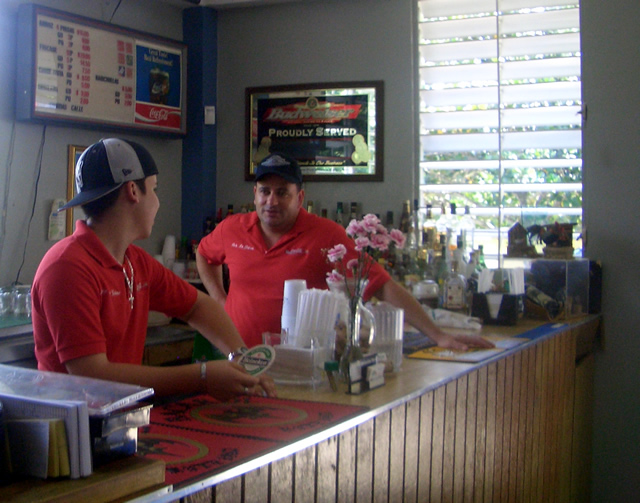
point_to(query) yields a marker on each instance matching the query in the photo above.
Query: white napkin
(449, 319)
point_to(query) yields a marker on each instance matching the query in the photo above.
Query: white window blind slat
(510, 141)
(491, 119)
(541, 68)
(544, 21)
(457, 97)
(518, 70)
(455, 120)
(515, 5)
(459, 28)
(446, 8)
(521, 187)
(507, 164)
(537, 46)
(542, 116)
(438, 53)
(458, 143)
(549, 92)
(553, 92)
(542, 140)
(442, 75)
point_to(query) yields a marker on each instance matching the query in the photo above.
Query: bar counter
(515, 427)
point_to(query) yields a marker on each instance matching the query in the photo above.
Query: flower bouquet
(351, 277)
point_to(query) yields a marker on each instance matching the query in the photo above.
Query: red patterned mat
(199, 436)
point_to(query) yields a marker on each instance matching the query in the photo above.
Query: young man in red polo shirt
(93, 290)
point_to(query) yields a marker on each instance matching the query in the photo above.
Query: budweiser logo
(312, 112)
(158, 114)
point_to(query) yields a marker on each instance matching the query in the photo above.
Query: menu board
(82, 71)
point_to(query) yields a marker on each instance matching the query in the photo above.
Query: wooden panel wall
(503, 433)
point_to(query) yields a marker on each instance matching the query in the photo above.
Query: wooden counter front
(513, 428)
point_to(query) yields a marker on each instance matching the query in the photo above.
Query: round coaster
(258, 359)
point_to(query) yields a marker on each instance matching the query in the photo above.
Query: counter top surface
(419, 376)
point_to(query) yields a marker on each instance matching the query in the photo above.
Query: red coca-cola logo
(158, 114)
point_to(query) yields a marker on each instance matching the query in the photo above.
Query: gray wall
(372, 39)
(611, 76)
(341, 41)
(18, 171)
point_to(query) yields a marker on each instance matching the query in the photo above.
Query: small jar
(427, 293)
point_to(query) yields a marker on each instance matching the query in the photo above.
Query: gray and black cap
(106, 165)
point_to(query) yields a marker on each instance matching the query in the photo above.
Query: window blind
(500, 121)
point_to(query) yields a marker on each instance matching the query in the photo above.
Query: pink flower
(355, 229)
(335, 277)
(381, 229)
(380, 242)
(370, 223)
(398, 238)
(352, 264)
(362, 242)
(337, 253)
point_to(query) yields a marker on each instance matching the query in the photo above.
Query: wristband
(237, 353)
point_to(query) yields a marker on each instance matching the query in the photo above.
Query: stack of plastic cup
(292, 287)
(169, 251)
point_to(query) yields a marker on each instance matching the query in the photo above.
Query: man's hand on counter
(462, 342)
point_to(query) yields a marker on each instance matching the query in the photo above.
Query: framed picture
(333, 130)
(74, 153)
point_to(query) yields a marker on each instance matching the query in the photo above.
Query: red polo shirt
(257, 274)
(81, 301)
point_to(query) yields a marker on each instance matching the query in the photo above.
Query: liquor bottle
(481, 263)
(442, 224)
(405, 218)
(323, 213)
(429, 230)
(454, 224)
(415, 224)
(310, 207)
(229, 210)
(208, 225)
(467, 231)
(440, 263)
(340, 214)
(353, 215)
(389, 222)
(455, 294)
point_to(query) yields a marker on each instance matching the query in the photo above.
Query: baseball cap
(106, 165)
(281, 165)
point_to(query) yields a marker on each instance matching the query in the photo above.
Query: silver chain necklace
(129, 280)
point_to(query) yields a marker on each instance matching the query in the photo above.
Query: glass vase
(356, 334)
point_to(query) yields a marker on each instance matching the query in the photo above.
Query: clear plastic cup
(22, 300)
(6, 300)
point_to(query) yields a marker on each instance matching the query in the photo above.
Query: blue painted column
(200, 33)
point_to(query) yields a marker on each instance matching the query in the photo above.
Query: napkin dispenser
(497, 308)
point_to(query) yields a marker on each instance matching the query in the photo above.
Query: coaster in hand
(258, 359)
